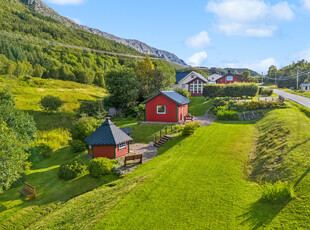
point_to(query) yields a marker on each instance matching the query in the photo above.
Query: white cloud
(198, 41)
(66, 2)
(258, 66)
(304, 54)
(249, 17)
(306, 4)
(197, 58)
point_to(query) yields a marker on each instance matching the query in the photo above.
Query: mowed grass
(199, 182)
(18, 213)
(53, 128)
(141, 133)
(199, 106)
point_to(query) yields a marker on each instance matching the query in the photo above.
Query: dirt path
(205, 120)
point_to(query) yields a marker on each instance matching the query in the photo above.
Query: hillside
(141, 47)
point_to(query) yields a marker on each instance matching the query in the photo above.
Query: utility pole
(297, 79)
(275, 78)
(262, 78)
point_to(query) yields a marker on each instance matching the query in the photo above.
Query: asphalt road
(305, 101)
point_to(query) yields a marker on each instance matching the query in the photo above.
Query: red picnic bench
(133, 158)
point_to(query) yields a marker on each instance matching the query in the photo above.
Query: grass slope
(53, 127)
(199, 106)
(186, 186)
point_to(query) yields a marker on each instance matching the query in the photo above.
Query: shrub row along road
(293, 97)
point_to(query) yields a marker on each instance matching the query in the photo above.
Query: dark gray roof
(172, 95)
(126, 130)
(107, 134)
(180, 75)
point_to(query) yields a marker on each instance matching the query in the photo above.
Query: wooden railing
(164, 131)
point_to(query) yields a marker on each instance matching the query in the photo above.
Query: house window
(196, 87)
(122, 146)
(229, 78)
(192, 76)
(183, 86)
(161, 109)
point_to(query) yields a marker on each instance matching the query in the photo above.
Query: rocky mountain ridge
(43, 9)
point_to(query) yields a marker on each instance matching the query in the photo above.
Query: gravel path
(205, 120)
(147, 152)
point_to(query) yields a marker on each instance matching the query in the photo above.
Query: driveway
(305, 101)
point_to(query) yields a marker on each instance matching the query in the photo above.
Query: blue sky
(223, 33)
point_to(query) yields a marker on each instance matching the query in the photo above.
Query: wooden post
(166, 130)
(155, 138)
(159, 134)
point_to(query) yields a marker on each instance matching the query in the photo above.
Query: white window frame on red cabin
(229, 78)
(122, 146)
(164, 112)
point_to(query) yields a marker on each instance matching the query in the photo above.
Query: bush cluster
(100, 166)
(265, 92)
(71, 170)
(228, 115)
(92, 109)
(230, 90)
(183, 92)
(39, 153)
(77, 146)
(190, 128)
(278, 192)
(51, 103)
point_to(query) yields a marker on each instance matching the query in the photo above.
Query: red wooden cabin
(108, 141)
(166, 106)
(230, 78)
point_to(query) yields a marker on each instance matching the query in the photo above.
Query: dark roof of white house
(172, 95)
(180, 75)
(107, 134)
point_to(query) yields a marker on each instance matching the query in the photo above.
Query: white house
(305, 87)
(191, 81)
(213, 78)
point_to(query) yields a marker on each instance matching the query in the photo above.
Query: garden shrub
(39, 153)
(83, 128)
(228, 115)
(133, 111)
(71, 170)
(278, 192)
(266, 92)
(77, 146)
(183, 92)
(51, 103)
(100, 166)
(222, 103)
(190, 128)
(92, 109)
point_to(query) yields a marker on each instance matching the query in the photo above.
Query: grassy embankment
(199, 106)
(52, 127)
(209, 180)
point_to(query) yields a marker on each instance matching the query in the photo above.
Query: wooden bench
(188, 117)
(133, 158)
(29, 191)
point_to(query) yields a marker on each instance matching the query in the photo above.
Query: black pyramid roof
(107, 134)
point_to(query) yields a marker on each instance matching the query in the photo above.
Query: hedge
(230, 90)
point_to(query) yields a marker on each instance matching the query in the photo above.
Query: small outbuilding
(305, 87)
(108, 141)
(166, 106)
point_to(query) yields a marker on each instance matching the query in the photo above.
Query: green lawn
(51, 191)
(141, 133)
(199, 106)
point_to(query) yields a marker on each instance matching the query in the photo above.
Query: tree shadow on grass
(261, 213)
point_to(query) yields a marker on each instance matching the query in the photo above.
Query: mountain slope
(43, 9)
